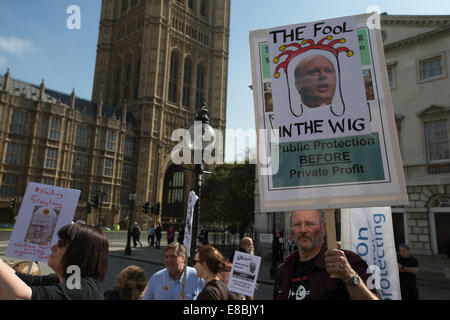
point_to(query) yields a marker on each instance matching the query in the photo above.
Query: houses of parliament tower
(157, 62)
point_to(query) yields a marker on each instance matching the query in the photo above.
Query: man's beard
(312, 245)
(251, 251)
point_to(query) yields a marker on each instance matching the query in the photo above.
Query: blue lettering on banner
(387, 284)
(376, 229)
(361, 237)
(362, 254)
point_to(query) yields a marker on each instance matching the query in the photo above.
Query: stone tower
(159, 60)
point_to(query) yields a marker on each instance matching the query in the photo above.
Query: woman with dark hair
(208, 263)
(80, 262)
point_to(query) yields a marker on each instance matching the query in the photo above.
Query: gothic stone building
(157, 62)
(417, 50)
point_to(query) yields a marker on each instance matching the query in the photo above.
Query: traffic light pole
(12, 203)
(132, 198)
(101, 194)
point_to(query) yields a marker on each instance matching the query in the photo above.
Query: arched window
(128, 81)
(124, 5)
(203, 8)
(173, 194)
(441, 201)
(187, 83)
(138, 74)
(173, 78)
(199, 95)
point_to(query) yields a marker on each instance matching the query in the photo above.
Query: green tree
(229, 196)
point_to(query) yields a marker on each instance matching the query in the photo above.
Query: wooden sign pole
(331, 229)
(183, 294)
(331, 232)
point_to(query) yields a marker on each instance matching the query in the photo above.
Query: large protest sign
(355, 160)
(369, 233)
(44, 210)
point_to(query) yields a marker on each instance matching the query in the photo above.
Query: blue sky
(35, 42)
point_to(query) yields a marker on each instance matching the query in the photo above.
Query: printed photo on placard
(317, 84)
(43, 211)
(268, 105)
(42, 225)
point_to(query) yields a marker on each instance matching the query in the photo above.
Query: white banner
(189, 216)
(369, 233)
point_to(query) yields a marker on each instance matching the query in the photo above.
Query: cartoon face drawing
(301, 293)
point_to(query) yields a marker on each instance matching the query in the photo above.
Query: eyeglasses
(62, 243)
(307, 225)
(195, 261)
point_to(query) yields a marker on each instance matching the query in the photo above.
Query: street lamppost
(199, 130)
(131, 200)
(160, 146)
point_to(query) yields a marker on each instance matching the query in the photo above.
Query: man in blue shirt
(167, 284)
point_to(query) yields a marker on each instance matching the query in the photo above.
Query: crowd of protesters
(311, 271)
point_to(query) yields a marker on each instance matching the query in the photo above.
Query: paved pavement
(151, 260)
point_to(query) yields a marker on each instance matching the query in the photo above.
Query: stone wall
(418, 224)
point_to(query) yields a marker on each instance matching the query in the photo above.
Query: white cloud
(16, 45)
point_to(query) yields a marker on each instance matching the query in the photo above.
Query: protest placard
(44, 210)
(337, 167)
(244, 273)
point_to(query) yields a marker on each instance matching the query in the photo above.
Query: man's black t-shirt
(300, 287)
(408, 280)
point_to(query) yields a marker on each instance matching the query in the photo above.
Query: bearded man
(305, 274)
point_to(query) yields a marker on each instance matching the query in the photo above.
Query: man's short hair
(404, 246)
(179, 248)
(245, 241)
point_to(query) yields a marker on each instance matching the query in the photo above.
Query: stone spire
(100, 104)
(124, 111)
(6, 83)
(42, 91)
(72, 99)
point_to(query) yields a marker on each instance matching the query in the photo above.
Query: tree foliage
(229, 196)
